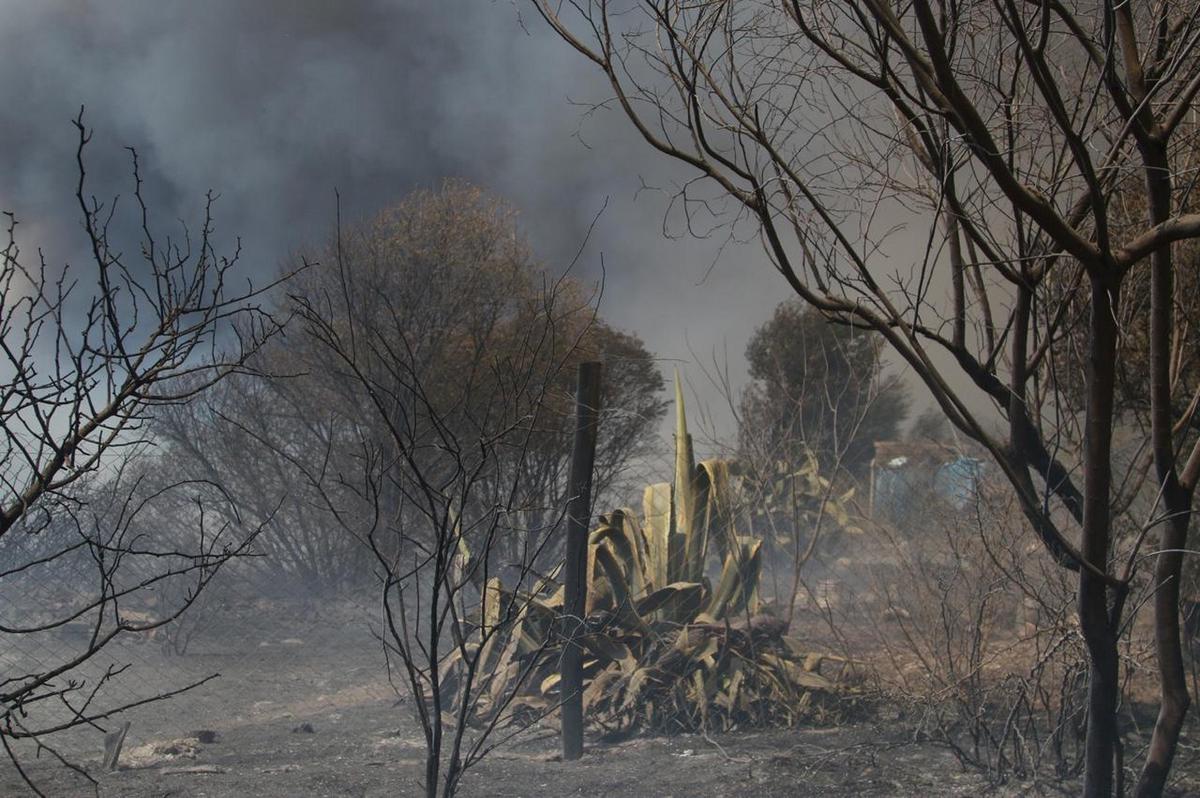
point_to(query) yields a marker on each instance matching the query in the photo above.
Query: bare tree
(1002, 131)
(85, 357)
(817, 387)
(248, 434)
(450, 269)
(434, 484)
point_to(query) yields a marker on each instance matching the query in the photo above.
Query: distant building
(907, 474)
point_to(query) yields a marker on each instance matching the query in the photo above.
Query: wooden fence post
(579, 509)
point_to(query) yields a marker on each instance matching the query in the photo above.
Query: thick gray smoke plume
(275, 103)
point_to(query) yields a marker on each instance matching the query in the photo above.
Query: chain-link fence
(247, 650)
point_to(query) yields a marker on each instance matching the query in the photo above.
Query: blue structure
(958, 481)
(904, 475)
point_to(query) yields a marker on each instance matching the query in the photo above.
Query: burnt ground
(358, 751)
(303, 708)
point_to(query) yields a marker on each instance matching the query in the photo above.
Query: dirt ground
(358, 752)
(303, 708)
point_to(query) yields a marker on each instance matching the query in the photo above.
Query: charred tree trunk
(1099, 628)
(1176, 499)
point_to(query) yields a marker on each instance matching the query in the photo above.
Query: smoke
(274, 104)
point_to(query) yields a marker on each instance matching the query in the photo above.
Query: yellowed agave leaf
(728, 698)
(620, 587)
(634, 690)
(633, 531)
(715, 496)
(675, 599)
(698, 695)
(554, 602)
(795, 647)
(706, 655)
(656, 509)
(610, 651)
(491, 603)
(797, 676)
(602, 686)
(506, 669)
(685, 468)
(737, 589)
(622, 541)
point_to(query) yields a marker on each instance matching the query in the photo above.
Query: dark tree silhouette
(817, 387)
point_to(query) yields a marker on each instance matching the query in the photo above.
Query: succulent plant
(666, 646)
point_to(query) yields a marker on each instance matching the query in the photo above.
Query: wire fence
(245, 652)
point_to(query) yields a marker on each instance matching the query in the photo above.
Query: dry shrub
(970, 627)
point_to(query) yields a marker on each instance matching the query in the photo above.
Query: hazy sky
(275, 103)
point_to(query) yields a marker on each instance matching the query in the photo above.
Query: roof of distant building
(911, 454)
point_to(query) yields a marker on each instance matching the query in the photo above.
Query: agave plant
(675, 635)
